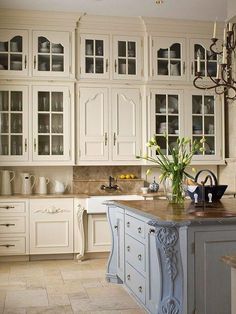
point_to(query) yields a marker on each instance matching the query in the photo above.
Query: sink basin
(214, 214)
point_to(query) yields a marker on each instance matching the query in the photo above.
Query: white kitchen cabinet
(51, 123)
(51, 53)
(166, 117)
(93, 124)
(94, 56)
(203, 120)
(127, 57)
(208, 62)
(51, 226)
(190, 112)
(14, 53)
(168, 58)
(119, 140)
(14, 136)
(14, 227)
(98, 233)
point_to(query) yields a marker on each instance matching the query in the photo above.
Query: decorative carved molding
(80, 221)
(50, 210)
(167, 243)
(170, 306)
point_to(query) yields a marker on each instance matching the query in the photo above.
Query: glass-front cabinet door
(13, 123)
(94, 56)
(51, 123)
(208, 61)
(168, 58)
(127, 57)
(13, 52)
(205, 123)
(51, 53)
(166, 117)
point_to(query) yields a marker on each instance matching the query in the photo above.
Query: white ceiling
(186, 9)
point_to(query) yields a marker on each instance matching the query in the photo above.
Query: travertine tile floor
(61, 286)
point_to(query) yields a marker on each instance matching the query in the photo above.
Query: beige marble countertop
(164, 211)
(66, 195)
(230, 260)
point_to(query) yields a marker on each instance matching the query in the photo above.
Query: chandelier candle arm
(224, 80)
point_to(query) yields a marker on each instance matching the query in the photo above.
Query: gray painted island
(170, 259)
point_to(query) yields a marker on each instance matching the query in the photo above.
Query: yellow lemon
(127, 176)
(132, 176)
(122, 176)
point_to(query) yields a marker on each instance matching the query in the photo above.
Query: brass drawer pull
(7, 245)
(139, 230)
(128, 248)
(128, 277)
(7, 225)
(151, 231)
(7, 207)
(139, 257)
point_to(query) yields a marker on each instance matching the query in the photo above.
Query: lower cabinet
(98, 233)
(14, 228)
(51, 224)
(213, 275)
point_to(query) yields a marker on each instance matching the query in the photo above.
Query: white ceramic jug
(26, 186)
(42, 185)
(7, 177)
(174, 69)
(59, 187)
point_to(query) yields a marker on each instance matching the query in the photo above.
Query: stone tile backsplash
(88, 179)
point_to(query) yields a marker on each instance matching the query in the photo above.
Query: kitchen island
(170, 259)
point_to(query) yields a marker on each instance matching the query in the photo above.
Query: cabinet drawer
(12, 225)
(136, 282)
(12, 207)
(51, 208)
(135, 227)
(135, 253)
(11, 246)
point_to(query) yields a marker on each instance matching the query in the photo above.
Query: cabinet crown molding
(26, 18)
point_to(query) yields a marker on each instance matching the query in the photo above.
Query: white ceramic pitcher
(7, 177)
(42, 185)
(59, 187)
(26, 186)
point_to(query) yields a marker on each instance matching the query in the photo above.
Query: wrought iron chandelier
(225, 80)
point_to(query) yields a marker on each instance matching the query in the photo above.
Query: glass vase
(174, 189)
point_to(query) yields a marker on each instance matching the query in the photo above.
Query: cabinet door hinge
(193, 248)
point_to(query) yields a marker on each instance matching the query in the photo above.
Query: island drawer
(136, 282)
(12, 246)
(135, 253)
(12, 225)
(135, 227)
(12, 207)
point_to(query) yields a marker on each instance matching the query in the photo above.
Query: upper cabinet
(118, 141)
(127, 57)
(13, 123)
(169, 58)
(94, 56)
(122, 61)
(208, 61)
(14, 52)
(51, 53)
